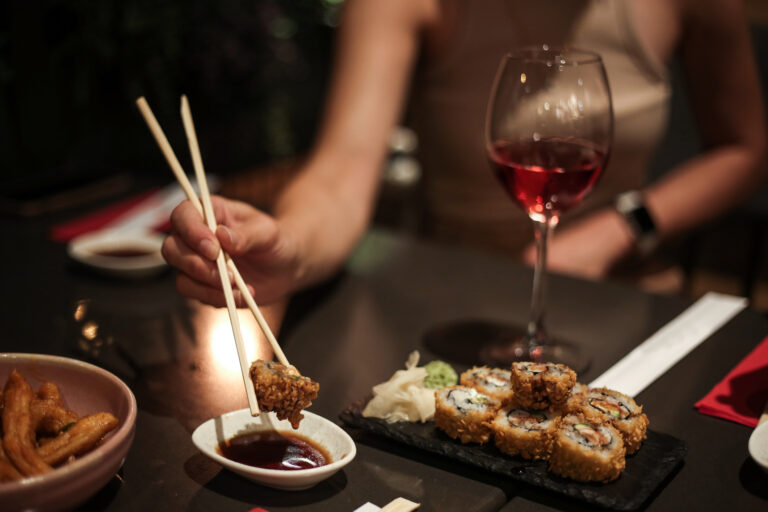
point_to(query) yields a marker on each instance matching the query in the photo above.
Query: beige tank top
(463, 203)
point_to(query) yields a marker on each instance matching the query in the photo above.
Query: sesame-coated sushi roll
(621, 411)
(576, 398)
(282, 389)
(586, 450)
(494, 382)
(526, 433)
(464, 413)
(540, 385)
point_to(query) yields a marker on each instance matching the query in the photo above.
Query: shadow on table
(511, 489)
(753, 479)
(102, 499)
(216, 481)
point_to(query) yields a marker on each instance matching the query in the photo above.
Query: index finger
(187, 222)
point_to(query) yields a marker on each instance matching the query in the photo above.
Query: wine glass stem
(537, 334)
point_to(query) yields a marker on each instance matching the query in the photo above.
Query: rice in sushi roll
(621, 411)
(540, 385)
(494, 382)
(464, 413)
(587, 450)
(527, 433)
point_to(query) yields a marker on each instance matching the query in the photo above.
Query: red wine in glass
(548, 133)
(548, 176)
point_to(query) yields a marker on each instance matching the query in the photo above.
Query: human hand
(264, 253)
(588, 248)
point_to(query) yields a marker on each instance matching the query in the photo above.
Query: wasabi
(439, 375)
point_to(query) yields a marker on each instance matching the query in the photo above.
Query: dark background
(255, 72)
(70, 70)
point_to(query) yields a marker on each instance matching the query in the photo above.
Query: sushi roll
(282, 389)
(587, 450)
(603, 404)
(523, 432)
(541, 385)
(464, 413)
(576, 399)
(494, 382)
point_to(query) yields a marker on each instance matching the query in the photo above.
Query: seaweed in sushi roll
(541, 385)
(621, 411)
(494, 382)
(523, 432)
(464, 413)
(587, 450)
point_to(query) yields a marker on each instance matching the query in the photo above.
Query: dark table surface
(350, 334)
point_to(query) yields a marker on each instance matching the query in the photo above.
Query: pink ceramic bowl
(85, 389)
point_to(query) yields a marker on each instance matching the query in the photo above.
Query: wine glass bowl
(548, 134)
(549, 127)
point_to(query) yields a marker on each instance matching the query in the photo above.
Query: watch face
(644, 221)
(631, 206)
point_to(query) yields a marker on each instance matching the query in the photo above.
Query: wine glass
(548, 134)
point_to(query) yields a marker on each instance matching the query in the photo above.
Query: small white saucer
(131, 254)
(758, 445)
(328, 435)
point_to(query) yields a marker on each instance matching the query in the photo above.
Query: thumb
(258, 234)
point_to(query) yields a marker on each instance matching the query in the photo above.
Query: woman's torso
(463, 202)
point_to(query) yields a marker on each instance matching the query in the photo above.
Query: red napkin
(99, 219)
(743, 393)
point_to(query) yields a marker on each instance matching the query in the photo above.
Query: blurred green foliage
(70, 70)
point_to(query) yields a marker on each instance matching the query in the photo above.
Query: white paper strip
(649, 360)
(368, 507)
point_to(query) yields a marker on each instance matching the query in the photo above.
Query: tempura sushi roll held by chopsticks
(621, 411)
(586, 450)
(524, 432)
(541, 385)
(464, 413)
(283, 390)
(494, 382)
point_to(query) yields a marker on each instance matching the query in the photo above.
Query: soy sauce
(123, 253)
(274, 450)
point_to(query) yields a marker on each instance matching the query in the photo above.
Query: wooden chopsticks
(181, 177)
(223, 261)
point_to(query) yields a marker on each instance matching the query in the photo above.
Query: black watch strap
(631, 205)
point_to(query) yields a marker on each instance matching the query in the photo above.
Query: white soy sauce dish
(758, 442)
(128, 254)
(327, 435)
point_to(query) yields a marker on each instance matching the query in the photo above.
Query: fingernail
(231, 234)
(209, 249)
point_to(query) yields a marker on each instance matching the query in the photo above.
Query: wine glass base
(553, 352)
(473, 341)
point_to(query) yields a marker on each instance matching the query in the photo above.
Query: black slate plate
(645, 470)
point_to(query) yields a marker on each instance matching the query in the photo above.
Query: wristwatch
(632, 207)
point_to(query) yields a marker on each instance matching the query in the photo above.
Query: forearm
(325, 214)
(327, 207)
(705, 187)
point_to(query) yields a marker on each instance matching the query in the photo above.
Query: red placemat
(99, 219)
(743, 393)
